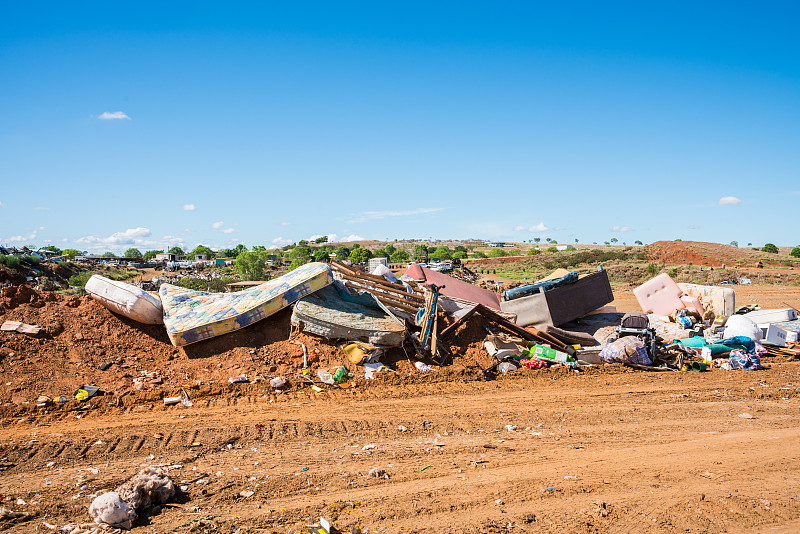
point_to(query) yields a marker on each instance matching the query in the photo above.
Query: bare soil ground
(604, 450)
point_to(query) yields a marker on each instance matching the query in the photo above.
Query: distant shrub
(673, 272)
(215, 285)
(769, 247)
(79, 280)
(478, 254)
(795, 252)
(550, 250)
(497, 253)
(3, 259)
(13, 260)
(652, 269)
(31, 259)
(534, 252)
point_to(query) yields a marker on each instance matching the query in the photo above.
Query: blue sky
(144, 125)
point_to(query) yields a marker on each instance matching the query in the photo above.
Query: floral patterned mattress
(192, 316)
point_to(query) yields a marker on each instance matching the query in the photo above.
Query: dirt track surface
(605, 450)
(617, 451)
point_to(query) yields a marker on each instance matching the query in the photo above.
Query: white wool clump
(118, 508)
(149, 487)
(110, 509)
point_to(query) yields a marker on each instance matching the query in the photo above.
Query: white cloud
(133, 237)
(280, 241)
(372, 215)
(24, 239)
(352, 237)
(113, 115)
(729, 201)
(128, 237)
(41, 208)
(2, 205)
(518, 228)
(285, 224)
(538, 228)
(621, 229)
(217, 224)
(558, 228)
(188, 207)
(227, 231)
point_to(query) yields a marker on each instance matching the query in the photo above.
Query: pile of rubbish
(562, 320)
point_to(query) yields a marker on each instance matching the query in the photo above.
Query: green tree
(637, 242)
(356, 245)
(323, 239)
(769, 247)
(300, 252)
(459, 248)
(420, 251)
(399, 256)
(537, 239)
(177, 251)
(478, 254)
(342, 253)
(389, 248)
(734, 243)
(133, 253)
(71, 253)
(614, 240)
(53, 249)
(442, 253)
(150, 254)
(202, 249)
(360, 255)
(514, 252)
(108, 255)
(302, 243)
(550, 250)
(795, 252)
(533, 252)
(251, 265)
(460, 255)
(321, 254)
(497, 253)
(381, 253)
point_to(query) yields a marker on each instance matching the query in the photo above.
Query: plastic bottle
(546, 353)
(277, 382)
(341, 374)
(505, 367)
(325, 376)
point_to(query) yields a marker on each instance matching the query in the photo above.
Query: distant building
(166, 257)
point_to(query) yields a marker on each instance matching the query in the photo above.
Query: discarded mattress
(192, 316)
(721, 299)
(333, 313)
(562, 304)
(126, 299)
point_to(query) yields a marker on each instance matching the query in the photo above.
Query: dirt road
(605, 450)
(597, 452)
